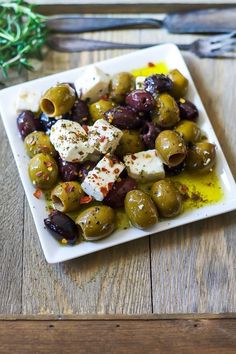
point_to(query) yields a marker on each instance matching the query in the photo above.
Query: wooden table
(187, 270)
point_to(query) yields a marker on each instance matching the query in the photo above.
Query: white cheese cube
(100, 180)
(70, 140)
(145, 166)
(92, 84)
(103, 136)
(28, 100)
(139, 82)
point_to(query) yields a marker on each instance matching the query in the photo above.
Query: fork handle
(79, 24)
(72, 44)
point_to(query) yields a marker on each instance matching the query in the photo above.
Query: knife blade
(200, 21)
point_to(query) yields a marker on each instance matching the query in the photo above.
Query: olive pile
(156, 116)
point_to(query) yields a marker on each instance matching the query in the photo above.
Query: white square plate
(53, 251)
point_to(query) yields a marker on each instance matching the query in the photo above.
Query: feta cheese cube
(100, 180)
(70, 140)
(145, 166)
(28, 100)
(139, 82)
(92, 84)
(103, 136)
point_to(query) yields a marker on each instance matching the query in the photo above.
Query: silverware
(221, 46)
(201, 21)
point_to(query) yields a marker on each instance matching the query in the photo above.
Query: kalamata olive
(140, 100)
(158, 83)
(149, 133)
(187, 110)
(84, 169)
(61, 226)
(68, 171)
(46, 122)
(27, 123)
(123, 118)
(116, 196)
(80, 112)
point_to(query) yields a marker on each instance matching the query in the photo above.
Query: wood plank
(11, 229)
(116, 336)
(193, 266)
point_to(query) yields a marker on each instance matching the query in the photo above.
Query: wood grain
(119, 336)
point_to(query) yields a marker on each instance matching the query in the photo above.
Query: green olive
(121, 84)
(97, 109)
(201, 157)
(190, 131)
(58, 100)
(43, 171)
(171, 147)
(66, 196)
(166, 113)
(140, 209)
(96, 222)
(167, 198)
(180, 83)
(130, 143)
(37, 142)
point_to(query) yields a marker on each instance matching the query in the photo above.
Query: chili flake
(104, 191)
(151, 65)
(86, 199)
(37, 193)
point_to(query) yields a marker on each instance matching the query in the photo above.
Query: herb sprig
(22, 35)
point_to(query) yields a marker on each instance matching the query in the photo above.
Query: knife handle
(79, 24)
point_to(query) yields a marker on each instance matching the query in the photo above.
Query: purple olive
(27, 123)
(149, 133)
(46, 122)
(68, 171)
(116, 196)
(158, 83)
(84, 169)
(61, 226)
(80, 112)
(123, 118)
(187, 110)
(140, 100)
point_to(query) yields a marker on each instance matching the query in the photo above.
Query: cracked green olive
(37, 142)
(43, 171)
(98, 109)
(96, 222)
(166, 112)
(190, 131)
(130, 143)
(167, 198)
(58, 100)
(180, 84)
(66, 196)
(121, 84)
(201, 157)
(140, 209)
(171, 147)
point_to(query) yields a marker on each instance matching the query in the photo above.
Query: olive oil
(150, 69)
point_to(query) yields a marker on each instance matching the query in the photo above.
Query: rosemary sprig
(22, 35)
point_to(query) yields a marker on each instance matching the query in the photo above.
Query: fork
(220, 46)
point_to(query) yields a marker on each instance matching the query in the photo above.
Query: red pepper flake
(69, 188)
(104, 97)
(85, 127)
(151, 65)
(102, 138)
(37, 193)
(95, 176)
(111, 163)
(104, 169)
(86, 199)
(116, 170)
(39, 174)
(104, 191)
(48, 164)
(133, 157)
(110, 184)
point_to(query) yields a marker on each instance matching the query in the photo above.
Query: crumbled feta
(103, 136)
(92, 84)
(100, 180)
(28, 100)
(70, 140)
(139, 82)
(145, 165)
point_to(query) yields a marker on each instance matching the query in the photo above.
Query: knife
(200, 21)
